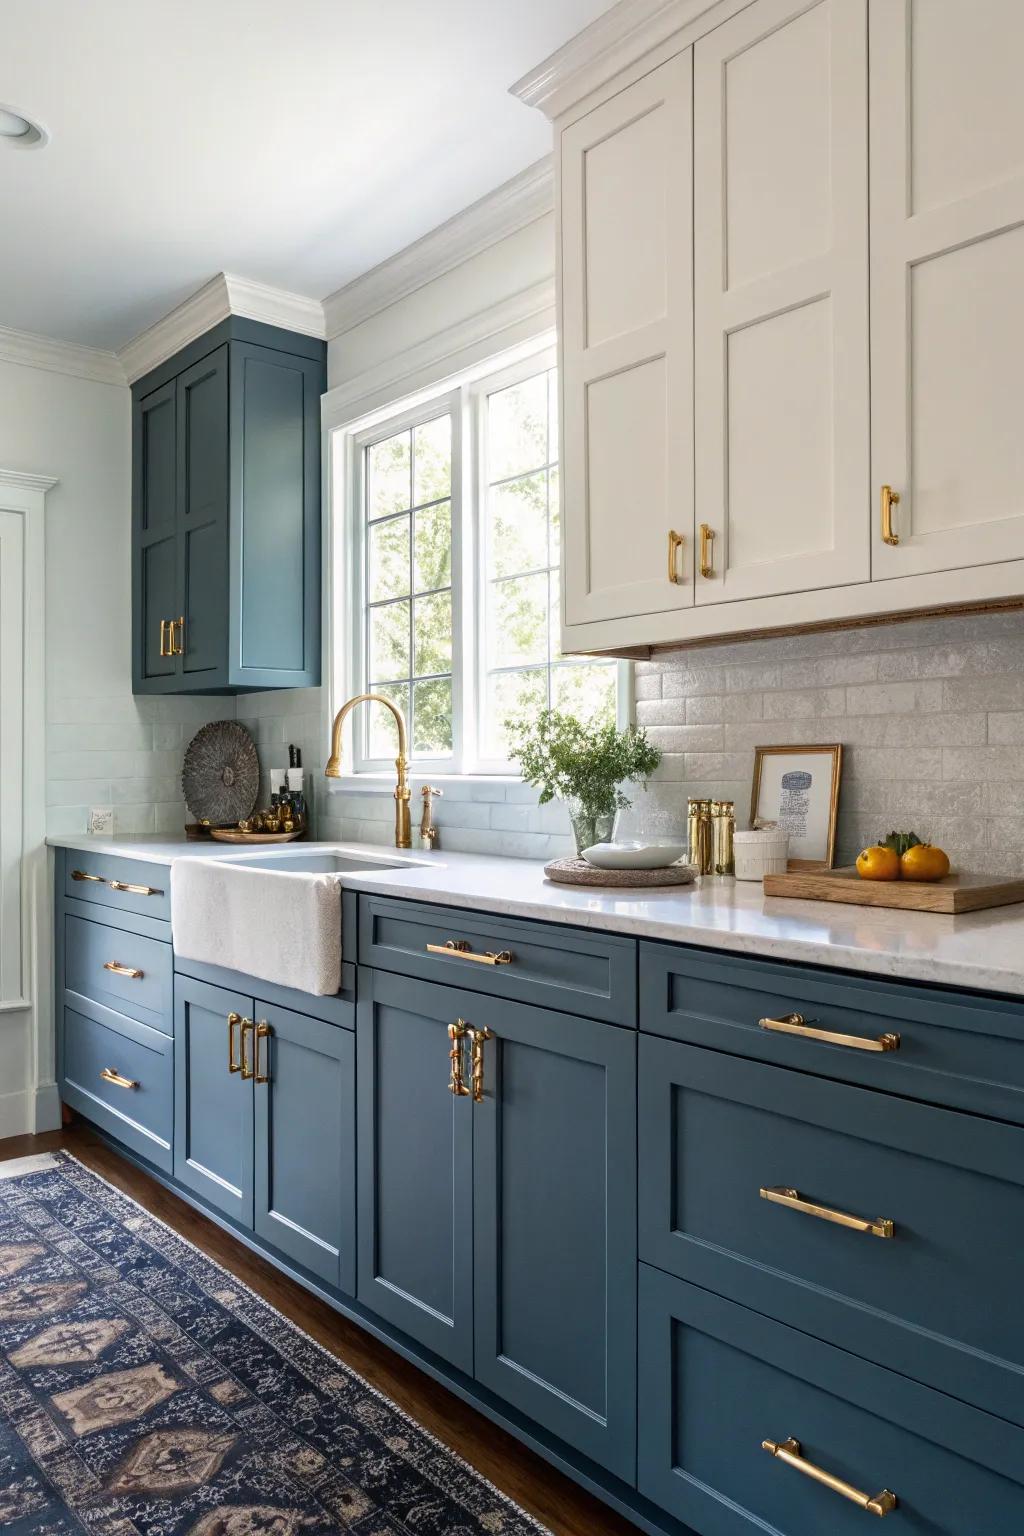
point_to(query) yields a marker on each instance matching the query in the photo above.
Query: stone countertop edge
(978, 951)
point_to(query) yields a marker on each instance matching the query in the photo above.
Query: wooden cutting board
(956, 893)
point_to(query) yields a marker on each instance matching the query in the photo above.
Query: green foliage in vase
(568, 758)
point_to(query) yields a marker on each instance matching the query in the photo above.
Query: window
(456, 581)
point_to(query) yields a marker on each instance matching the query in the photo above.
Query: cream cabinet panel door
(947, 274)
(627, 350)
(781, 305)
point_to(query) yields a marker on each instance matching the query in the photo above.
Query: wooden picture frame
(811, 802)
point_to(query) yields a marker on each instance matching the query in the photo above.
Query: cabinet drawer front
(119, 1074)
(836, 1164)
(133, 885)
(119, 969)
(953, 1048)
(553, 967)
(717, 1380)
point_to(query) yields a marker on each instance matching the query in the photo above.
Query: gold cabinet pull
(123, 970)
(179, 625)
(134, 890)
(780, 1194)
(478, 1037)
(890, 499)
(707, 551)
(165, 645)
(675, 544)
(263, 1032)
(80, 874)
(457, 1033)
(247, 1027)
(791, 1452)
(460, 950)
(109, 1075)
(233, 1065)
(796, 1024)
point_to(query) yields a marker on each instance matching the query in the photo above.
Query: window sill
(498, 788)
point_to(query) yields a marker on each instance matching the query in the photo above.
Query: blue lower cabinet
(304, 1196)
(415, 1161)
(213, 1105)
(554, 1137)
(117, 1072)
(722, 1389)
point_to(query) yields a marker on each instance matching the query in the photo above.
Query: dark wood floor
(538, 1488)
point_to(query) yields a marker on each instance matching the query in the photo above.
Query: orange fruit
(878, 864)
(924, 863)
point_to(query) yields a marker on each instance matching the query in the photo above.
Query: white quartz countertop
(981, 951)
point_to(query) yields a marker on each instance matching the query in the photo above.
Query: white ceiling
(296, 142)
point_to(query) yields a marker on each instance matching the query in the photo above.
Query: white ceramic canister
(759, 853)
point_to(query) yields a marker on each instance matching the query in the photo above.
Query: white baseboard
(15, 1113)
(47, 1116)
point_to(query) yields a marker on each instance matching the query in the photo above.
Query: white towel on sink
(281, 927)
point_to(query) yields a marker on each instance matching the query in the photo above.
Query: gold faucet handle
(428, 831)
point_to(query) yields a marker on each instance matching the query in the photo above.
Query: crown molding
(520, 319)
(20, 480)
(612, 42)
(59, 357)
(511, 207)
(224, 295)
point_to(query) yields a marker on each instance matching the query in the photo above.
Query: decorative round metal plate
(220, 777)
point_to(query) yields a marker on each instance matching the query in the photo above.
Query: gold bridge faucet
(403, 825)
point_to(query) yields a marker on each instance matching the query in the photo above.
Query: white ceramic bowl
(634, 855)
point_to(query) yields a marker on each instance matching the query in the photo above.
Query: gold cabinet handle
(457, 1033)
(247, 1027)
(675, 544)
(707, 551)
(791, 1452)
(890, 499)
(179, 625)
(233, 1065)
(165, 641)
(109, 1075)
(796, 1024)
(460, 950)
(80, 874)
(134, 890)
(263, 1032)
(780, 1194)
(123, 970)
(478, 1037)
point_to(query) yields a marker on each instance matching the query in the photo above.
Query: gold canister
(723, 820)
(701, 836)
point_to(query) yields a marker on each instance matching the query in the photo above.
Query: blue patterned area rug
(144, 1389)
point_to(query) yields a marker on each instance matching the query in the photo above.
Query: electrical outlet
(101, 820)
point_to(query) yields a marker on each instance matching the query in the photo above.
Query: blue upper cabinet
(226, 514)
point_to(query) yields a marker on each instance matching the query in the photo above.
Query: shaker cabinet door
(304, 1198)
(203, 516)
(213, 1108)
(155, 544)
(555, 1224)
(627, 351)
(947, 252)
(781, 299)
(415, 1158)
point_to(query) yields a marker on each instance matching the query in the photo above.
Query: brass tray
(233, 835)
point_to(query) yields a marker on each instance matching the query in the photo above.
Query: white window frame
(465, 399)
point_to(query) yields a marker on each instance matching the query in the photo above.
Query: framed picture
(798, 788)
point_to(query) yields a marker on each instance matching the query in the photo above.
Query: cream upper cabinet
(627, 351)
(947, 276)
(781, 298)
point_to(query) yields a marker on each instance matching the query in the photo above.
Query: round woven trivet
(579, 872)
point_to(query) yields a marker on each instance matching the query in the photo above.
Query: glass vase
(588, 826)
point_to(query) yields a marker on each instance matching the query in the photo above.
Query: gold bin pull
(134, 890)
(791, 1452)
(796, 1024)
(459, 949)
(109, 1075)
(781, 1194)
(123, 970)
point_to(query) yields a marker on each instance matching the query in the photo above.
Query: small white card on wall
(101, 821)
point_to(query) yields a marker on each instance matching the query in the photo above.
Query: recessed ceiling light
(20, 132)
